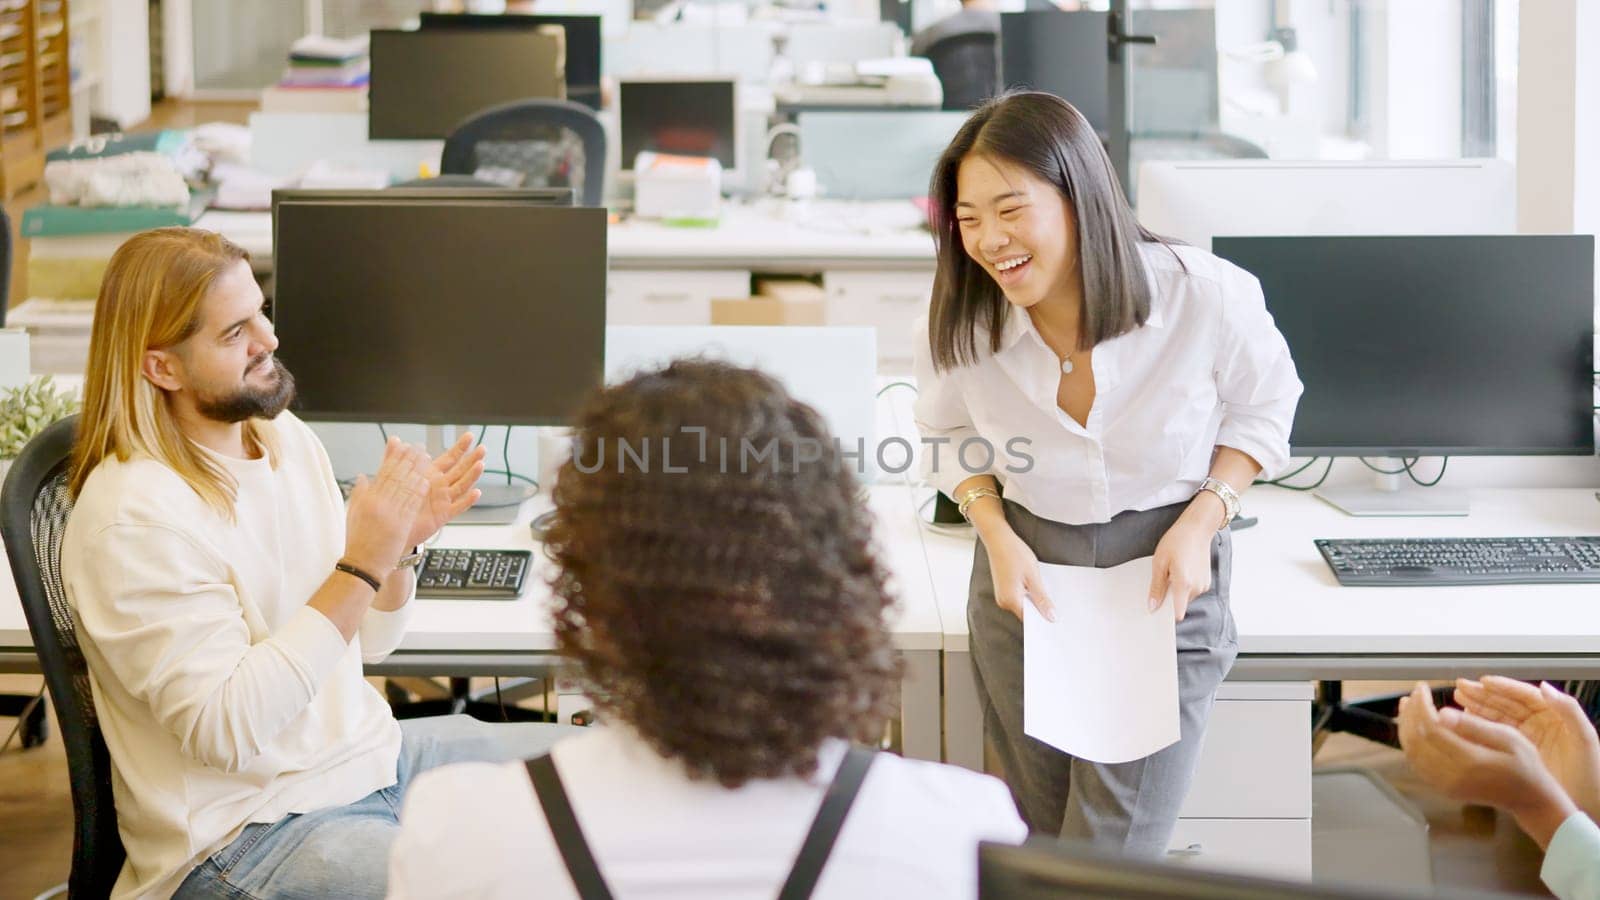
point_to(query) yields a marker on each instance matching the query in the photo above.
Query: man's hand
(379, 511)
(1554, 722)
(1472, 760)
(450, 488)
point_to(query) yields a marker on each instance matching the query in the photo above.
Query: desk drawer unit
(666, 297)
(889, 301)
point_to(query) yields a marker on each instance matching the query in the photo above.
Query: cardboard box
(767, 311)
(790, 289)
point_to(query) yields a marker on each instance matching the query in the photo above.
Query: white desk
(1251, 800)
(482, 637)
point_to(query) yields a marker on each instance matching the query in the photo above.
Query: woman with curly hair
(716, 585)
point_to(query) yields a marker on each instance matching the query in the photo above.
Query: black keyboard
(453, 573)
(1449, 561)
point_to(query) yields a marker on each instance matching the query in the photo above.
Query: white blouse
(1209, 368)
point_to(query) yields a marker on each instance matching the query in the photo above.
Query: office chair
(5, 265)
(30, 708)
(968, 66)
(34, 505)
(550, 143)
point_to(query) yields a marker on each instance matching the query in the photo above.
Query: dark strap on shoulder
(564, 827)
(826, 827)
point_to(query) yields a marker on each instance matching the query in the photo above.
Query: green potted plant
(28, 409)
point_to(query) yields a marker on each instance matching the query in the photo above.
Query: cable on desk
(1404, 467)
(383, 431)
(1282, 478)
(1282, 482)
(1443, 465)
(894, 384)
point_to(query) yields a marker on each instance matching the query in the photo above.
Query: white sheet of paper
(1100, 682)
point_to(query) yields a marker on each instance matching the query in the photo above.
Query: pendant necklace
(1066, 364)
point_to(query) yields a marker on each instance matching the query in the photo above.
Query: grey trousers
(1128, 807)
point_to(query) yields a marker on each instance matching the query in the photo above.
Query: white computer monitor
(681, 115)
(1196, 201)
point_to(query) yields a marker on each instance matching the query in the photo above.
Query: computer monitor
(1195, 201)
(1048, 869)
(439, 306)
(425, 83)
(583, 43)
(1063, 53)
(690, 117)
(1432, 346)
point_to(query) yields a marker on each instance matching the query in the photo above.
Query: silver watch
(1225, 493)
(413, 560)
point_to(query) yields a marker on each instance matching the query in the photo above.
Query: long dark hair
(1049, 137)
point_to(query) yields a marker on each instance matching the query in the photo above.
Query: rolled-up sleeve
(1256, 380)
(943, 420)
(164, 618)
(1572, 862)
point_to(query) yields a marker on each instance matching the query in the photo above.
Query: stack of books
(324, 75)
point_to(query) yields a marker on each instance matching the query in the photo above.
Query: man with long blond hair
(226, 596)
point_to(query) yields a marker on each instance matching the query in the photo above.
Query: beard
(250, 402)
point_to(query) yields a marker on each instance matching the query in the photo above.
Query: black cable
(1443, 464)
(894, 384)
(510, 475)
(482, 430)
(1308, 464)
(383, 431)
(1404, 467)
(1308, 487)
(505, 455)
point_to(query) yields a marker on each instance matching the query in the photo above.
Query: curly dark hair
(726, 606)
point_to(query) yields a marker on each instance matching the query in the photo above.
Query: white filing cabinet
(1250, 805)
(669, 296)
(888, 300)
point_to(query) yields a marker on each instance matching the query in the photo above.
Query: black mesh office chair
(532, 143)
(968, 66)
(34, 505)
(30, 708)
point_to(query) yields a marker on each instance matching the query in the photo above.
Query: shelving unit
(35, 88)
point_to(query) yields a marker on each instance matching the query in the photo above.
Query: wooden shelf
(36, 85)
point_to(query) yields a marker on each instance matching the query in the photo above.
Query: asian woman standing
(1148, 385)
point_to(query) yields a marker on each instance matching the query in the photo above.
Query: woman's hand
(1015, 570)
(1473, 760)
(450, 488)
(1181, 567)
(1555, 723)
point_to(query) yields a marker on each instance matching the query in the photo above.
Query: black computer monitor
(687, 117)
(1062, 53)
(1048, 869)
(425, 83)
(1433, 346)
(583, 43)
(441, 307)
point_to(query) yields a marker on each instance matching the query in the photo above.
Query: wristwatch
(414, 559)
(1225, 493)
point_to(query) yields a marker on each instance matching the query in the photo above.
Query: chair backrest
(5, 265)
(551, 143)
(968, 66)
(34, 505)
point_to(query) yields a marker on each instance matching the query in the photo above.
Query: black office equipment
(1063, 53)
(451, 573)
(1432, 346)
(687, 117)
(439, 307)
(1463, 561)
(1048, 869)
(425, 83)
(583, 43)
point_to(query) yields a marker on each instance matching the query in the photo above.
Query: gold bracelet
(971, 496)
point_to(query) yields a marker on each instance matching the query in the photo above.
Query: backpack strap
(565, 829)
(827, 825)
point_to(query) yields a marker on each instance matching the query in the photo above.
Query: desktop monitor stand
(1387, 498)
(499, 504)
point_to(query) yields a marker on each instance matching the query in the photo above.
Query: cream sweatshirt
(224, 699)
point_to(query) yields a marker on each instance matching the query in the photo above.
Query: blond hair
(149, 299)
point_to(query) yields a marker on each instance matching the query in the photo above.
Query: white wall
(1417, 64)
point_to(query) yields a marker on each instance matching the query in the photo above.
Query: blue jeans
(344, 851)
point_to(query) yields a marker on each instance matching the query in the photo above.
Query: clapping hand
(1554, 722)
(450, 488)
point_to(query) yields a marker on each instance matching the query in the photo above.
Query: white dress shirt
(1572, 861)
(223, 697)
(476, 829)
(1207, 369)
